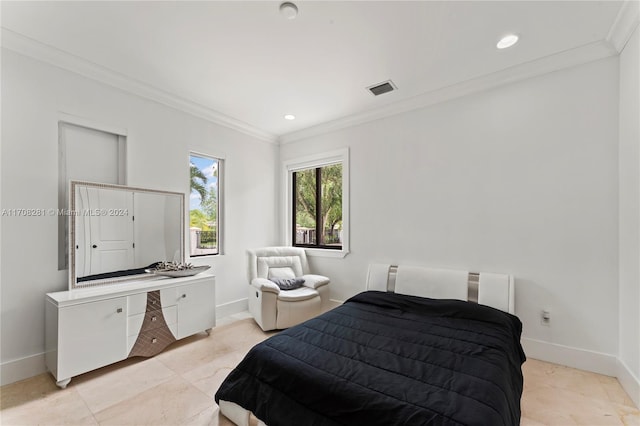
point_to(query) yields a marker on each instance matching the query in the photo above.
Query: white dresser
(90, 328)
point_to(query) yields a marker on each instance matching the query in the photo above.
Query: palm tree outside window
(204, 205)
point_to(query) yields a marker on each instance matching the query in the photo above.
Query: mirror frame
(73, 284)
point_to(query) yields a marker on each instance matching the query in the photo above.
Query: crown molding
(42, 52)
(624, 25)
(620, 32)
(569, 58)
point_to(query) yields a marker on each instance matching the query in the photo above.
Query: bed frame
(495, 290)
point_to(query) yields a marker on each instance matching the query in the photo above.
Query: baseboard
(582, 359)
(231, 308)
(630, 383)
(23, 368)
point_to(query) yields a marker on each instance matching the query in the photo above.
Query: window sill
(202, 257)
(314, 252)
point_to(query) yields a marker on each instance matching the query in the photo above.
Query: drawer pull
(119, 310)
(154, 340)
(184, 296)
(153, 319)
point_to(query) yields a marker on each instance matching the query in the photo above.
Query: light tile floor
(177, 386)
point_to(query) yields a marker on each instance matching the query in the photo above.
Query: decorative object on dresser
(271, 305)
(175, 270)
(91, 328)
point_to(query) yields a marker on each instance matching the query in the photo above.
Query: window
(317, 207)
(204, 205)
(318, 203)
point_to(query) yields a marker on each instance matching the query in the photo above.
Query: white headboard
(495, 290)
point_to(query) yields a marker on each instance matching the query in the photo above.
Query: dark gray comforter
(387, 359)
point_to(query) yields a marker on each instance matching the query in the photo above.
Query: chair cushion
(279, 267)
(288, 283)
(285, 273)
(302, 293)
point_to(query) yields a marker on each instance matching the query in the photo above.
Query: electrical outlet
(545, 317)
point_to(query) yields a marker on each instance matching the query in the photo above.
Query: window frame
(219, 208)
(315, 161)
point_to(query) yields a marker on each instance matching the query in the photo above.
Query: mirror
(116, 232)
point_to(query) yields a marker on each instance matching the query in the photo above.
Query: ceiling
(246, 62)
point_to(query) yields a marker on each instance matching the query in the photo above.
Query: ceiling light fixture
(507, 41)
(289, 117)
(289, 10)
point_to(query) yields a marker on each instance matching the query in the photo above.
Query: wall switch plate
(545, 317)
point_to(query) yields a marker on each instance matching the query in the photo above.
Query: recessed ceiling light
(507, 41)
(289, 117)
(289, 10)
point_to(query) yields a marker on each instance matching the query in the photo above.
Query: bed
(391, 356)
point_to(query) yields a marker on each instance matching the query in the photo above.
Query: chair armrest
(265, 285)
(315, 281)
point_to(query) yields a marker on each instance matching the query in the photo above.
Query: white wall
(158, 145)
(630, 217)
(522, 179)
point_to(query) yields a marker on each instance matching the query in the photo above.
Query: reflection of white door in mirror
(105, 231)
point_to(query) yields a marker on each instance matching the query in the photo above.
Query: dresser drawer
(148, 335)
(152, 342)
(137, 303)
(134, 322)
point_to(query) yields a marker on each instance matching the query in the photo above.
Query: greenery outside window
(204, 205)
(318, 203)
(317, 207)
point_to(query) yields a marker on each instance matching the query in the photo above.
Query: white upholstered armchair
(274, 308)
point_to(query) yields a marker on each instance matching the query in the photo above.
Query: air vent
(384, 87)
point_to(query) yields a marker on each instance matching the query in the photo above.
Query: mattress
(386, 359)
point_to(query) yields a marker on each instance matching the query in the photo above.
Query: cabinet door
(196, 308)
(91, 335)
